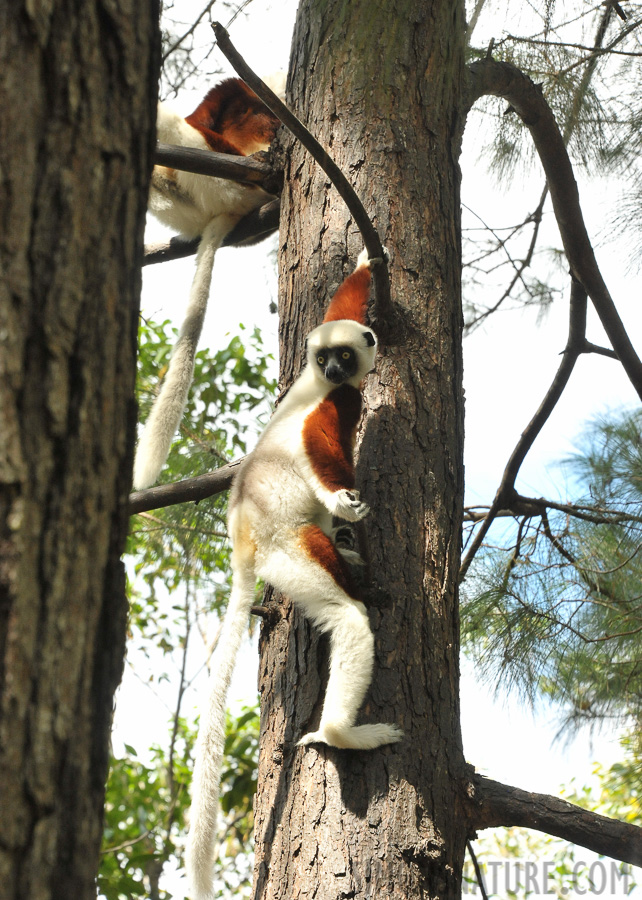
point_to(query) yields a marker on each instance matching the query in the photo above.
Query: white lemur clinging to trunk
(231, 119)
(284, 497)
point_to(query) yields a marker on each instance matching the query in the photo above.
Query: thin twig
(478, 871)
(189, 31)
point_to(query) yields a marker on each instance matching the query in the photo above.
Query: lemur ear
(351, 298)
(369, 336)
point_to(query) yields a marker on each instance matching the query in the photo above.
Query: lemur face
(341, 351)
(337, 363)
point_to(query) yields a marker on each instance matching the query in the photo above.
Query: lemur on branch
(230, 119)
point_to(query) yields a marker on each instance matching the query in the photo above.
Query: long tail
(167, 411)
(211, 736)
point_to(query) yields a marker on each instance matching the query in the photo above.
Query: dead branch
(505, 496)
(191, 490)
(382, 308)
(245, 169)
(500, 804)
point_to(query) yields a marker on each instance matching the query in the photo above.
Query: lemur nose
(334, 373)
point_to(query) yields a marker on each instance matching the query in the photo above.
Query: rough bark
(381, 88)
(77, 96)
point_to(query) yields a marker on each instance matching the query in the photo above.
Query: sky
(508, 365)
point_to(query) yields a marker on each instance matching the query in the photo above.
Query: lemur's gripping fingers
(365, 260)
(349, 506)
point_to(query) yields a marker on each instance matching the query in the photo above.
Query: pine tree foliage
(557, 609)
(587, 59)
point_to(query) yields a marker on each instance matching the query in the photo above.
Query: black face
(338, 363)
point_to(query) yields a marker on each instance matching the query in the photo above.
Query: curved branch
(191, 490)
(487, 76)
(500, 804)
(506, 491)
(346, 191)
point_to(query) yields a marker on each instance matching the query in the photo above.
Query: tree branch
(383, 306)
(252, 228)
(506, 491)
(246, 169)
(500, 804)
(487, 76)
(478, 872)
(191, 490)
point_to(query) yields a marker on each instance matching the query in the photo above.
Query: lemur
(230, 119)
(280, 517)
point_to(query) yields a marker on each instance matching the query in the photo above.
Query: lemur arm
(328, 440)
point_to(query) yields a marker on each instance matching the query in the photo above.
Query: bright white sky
(508, 367)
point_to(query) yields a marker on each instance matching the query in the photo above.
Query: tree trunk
(77, 93)
(380, 85)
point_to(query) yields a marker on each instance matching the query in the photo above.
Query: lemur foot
(345, 540)
(354, 737)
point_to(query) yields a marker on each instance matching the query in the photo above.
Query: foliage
(617, 790)
(557, 609)
(586, 59)
(145, 806)
(177, 563)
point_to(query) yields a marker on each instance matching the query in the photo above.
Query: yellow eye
(320, 360)
(346, 355)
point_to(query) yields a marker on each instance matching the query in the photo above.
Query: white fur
(192, 205)
(274, 495)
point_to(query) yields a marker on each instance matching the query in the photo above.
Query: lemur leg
(314, 575)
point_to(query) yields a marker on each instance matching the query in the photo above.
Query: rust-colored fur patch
(328, 437)
(232, 119)
(321, 549)
(351, 298)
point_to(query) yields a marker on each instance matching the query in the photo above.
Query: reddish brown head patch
(232, 119)
(328, 437)
(351, 298)
(320, 548)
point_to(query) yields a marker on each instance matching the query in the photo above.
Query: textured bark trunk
(380, 85)
(77, 92)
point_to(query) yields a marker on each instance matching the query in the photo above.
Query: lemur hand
(349, 506)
